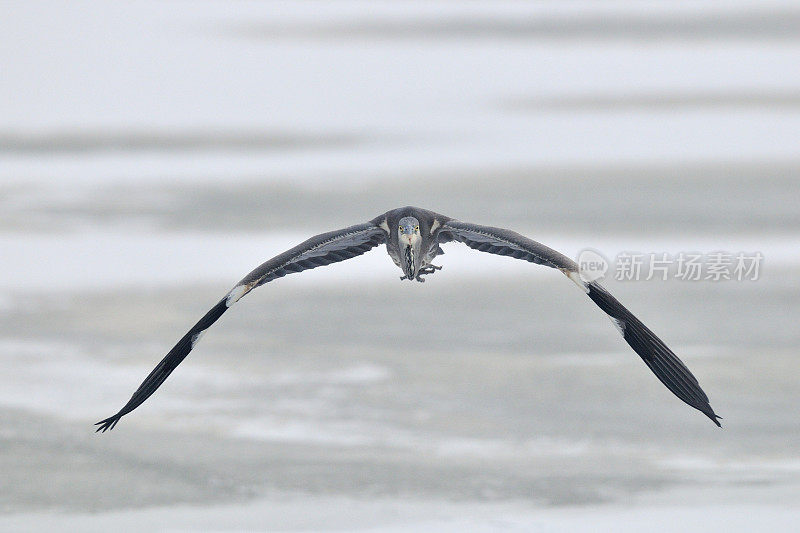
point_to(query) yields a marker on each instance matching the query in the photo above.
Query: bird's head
(410, 241)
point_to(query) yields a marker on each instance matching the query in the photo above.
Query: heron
(413, 239)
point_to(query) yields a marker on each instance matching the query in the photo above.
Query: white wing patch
(435, 225)
(197, 336)
(576, 279)
(619, 324)
(235, 294)
(384, 226)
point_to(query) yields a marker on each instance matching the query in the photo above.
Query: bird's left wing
(657, 356)
(321, 250)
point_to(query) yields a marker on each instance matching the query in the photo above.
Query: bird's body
(413, 237)
(418, 233)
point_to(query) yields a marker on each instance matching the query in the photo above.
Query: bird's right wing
(657, 356)
(321, 250)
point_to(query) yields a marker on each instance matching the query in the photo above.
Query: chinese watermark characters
(683, 266)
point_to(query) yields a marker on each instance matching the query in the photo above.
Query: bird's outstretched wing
(321, 250)
(656, 355)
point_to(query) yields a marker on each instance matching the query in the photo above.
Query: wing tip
(715, 418)
(107, 424)
(709, 412)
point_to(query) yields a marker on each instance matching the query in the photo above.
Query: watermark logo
(592, 265)
(683, 266)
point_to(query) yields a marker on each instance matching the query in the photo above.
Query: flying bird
(413, 237)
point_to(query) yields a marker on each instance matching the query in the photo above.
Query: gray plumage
(413, 237)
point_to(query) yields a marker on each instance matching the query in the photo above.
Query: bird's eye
(416, 228)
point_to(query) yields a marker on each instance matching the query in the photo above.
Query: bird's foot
(424, 271)
(429, 269)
